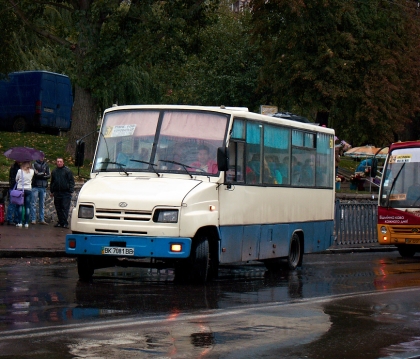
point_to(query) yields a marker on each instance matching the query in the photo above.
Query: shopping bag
(17, 196)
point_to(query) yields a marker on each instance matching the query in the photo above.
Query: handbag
(17, 196)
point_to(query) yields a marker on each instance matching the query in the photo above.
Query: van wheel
(85, 268)
(19, 125)
(406, 251)
(294, 259)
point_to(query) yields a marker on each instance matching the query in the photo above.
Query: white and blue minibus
(195, 187)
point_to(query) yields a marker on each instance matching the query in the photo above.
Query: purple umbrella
(23, 154)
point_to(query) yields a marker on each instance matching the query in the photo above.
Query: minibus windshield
(401, 179)
(179, 141)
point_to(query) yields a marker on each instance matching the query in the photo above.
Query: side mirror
(374, 167)
(80, 153)
(222, 159)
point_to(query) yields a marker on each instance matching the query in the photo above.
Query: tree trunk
(84, 123)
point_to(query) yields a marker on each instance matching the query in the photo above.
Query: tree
(109, 47)
(352, 60)
(225, 71)
(9, 25)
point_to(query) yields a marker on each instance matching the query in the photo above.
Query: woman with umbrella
(24, 155)
(24, 181)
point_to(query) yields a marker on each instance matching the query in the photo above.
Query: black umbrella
(24, 154)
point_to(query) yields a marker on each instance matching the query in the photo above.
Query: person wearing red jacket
(204, 162)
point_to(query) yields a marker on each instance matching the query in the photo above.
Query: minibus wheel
(200, 267)
(294, 259)
(406, 251)
(85, 268)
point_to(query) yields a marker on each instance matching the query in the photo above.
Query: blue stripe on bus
(262, 241)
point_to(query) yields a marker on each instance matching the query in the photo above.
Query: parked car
(36, 100)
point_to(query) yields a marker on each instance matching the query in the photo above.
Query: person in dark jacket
(12, 216)
(61, 188)
(39, 188)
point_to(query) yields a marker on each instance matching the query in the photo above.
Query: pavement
(47, 241)
(36, 241)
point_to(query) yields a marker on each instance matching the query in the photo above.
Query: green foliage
(9, 25)
(355, 60)
(224, 72)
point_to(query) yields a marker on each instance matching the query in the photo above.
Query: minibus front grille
(118, 215)
(106, 230)
(405, 230)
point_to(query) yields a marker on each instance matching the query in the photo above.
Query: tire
(196, 268)
(294, 259)
(201, 261)
(19, 125)
(406, 251)
(85, 268)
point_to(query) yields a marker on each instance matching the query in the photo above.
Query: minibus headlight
(383, 230)
(166, 216)
(86, 212)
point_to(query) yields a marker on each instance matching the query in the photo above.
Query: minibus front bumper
(128, 246)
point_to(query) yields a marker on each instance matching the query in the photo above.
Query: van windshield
(401, 182)
(164, 140)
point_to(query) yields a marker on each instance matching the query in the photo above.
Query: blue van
(37, 101)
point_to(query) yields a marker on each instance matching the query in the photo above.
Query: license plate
(118, 251)
(412, 241)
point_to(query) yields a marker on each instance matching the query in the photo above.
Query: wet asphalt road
(356, 305)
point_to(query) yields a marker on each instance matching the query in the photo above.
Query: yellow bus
(399, 199)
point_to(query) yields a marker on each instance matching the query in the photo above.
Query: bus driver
(204, 162)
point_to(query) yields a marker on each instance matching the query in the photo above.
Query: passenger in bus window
(268, 175)
(307, 174)
(284, 170)
(271, 172)
(296, 171)
(204, 162)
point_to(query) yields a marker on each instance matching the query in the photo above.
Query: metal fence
(355, 222)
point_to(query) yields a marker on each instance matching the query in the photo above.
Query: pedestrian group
(33, 180)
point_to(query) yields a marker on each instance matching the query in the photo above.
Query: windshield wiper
(180, 164)
(148, 163)
(120, 165)
(393, 184)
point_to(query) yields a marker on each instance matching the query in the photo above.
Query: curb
(359, 249)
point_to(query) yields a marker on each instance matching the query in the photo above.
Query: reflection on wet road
(53, 294)
(318, 311)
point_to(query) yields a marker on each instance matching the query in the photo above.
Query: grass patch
(348, 163)
(52, 146)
